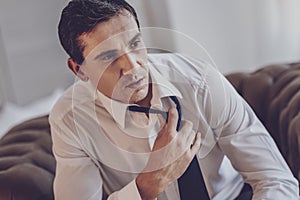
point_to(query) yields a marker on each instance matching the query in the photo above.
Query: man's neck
(146, 102)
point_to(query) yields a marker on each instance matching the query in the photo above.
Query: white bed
(11, 114)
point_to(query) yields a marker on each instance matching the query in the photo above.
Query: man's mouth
(136, 84)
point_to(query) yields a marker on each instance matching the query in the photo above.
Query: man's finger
(196, 145)
(162, 121)
(172, 119)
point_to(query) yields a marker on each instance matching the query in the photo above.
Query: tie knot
(163, 113)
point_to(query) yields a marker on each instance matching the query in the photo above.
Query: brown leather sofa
(27, 165)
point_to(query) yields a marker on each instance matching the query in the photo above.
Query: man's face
(116, 59)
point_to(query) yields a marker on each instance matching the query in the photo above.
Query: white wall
(278, 25)
(35, 63)
(3, 62)
(154, 20)
(239, 35)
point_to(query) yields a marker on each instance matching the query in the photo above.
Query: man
(104, 145)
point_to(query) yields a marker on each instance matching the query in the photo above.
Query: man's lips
(136, 84)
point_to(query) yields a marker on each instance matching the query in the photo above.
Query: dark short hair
(82, 16)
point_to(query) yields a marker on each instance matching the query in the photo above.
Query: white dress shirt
(100, 145)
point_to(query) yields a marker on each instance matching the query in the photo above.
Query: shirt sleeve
(246, 142)
(130, 191)
(77, 176)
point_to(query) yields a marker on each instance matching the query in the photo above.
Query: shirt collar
(118, 109)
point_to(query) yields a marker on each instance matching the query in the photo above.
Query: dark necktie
(191, 183)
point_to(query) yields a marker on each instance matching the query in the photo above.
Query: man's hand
(171, 155)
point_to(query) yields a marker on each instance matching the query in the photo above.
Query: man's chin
(138, 95)
(131, 96)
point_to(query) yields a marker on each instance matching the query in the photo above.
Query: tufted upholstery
(27, 165)
(274, 94)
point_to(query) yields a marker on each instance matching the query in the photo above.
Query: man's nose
(127, 63)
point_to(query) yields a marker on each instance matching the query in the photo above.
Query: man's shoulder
(74, 96)
(179, 67)
(174, 58)
(182, 63)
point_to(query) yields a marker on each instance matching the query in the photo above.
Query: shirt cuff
(130, 191)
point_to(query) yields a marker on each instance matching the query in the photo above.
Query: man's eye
(135, 44)
(108, 57)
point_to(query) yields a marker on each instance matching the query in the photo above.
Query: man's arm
(247, 144)
(77, 176)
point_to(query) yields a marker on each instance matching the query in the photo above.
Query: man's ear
(75, 67)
